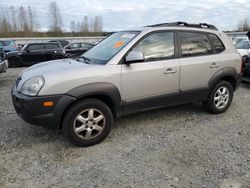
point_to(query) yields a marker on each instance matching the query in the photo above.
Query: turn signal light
(48, 104)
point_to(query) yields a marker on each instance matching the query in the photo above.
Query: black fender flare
(99, 89)
(220, 74)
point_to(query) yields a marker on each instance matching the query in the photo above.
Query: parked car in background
(130, 72)
(243, 47)
(33, 53)
(238, 39)
(246, 69)
(8, 45)
(61, 42)
(77, 48)
(3, 62)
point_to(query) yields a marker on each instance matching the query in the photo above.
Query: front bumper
(31, 109)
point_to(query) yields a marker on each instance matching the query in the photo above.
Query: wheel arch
(15, 57)
(105, 92)
(227, 74)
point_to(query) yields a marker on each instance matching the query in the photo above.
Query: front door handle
(214, 65)
(169, 71)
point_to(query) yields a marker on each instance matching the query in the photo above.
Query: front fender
(99, 89)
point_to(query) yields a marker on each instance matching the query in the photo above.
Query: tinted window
(73, 46)
(194, 44)
(51, 46)
(35, 47)
(243, 45)
(6, 43)
(218, 46)
(157, 46)
(84, 45)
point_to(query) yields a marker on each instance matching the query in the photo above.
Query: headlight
(32, 86)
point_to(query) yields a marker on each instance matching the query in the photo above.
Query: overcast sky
(126, 14)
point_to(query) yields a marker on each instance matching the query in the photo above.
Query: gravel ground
(175, 147)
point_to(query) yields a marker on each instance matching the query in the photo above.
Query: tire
(88, 122)
(14, 62)
(220, 98)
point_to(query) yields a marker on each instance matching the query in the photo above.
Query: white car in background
(243, 47)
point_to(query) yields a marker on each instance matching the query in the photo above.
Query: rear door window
(51, 46)
(195, 44)
(35, 47)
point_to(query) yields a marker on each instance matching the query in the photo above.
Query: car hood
(12, 53)
(62, 75)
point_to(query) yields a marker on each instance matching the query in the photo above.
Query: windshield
(106, 49)
(243, 45)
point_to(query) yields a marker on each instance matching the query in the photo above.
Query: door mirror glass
(134, 56)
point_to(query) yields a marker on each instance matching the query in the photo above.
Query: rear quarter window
(217, 44)
(51, 46)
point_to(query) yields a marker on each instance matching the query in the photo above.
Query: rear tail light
(243, 64)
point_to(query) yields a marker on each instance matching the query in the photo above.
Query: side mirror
(28, 51)
(134, 56)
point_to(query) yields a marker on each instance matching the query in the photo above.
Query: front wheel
(220, 98)
(14, 62)
(87, 122)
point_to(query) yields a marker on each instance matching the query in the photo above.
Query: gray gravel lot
(175, 147)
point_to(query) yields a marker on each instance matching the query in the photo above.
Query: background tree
(55, 17)
(244, 25)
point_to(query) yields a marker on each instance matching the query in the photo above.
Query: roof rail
(185, 24)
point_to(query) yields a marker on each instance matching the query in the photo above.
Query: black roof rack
(185, 24)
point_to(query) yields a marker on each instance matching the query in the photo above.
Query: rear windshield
(106, 49)
(243, 45)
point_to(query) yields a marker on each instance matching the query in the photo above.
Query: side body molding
(102, 90)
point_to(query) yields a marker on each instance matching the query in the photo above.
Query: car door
(199, 63)
(154, 82)
(73, 49)
(33, 53)
(51, 51)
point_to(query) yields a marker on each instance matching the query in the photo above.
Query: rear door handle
(214, 65)
(169, 71)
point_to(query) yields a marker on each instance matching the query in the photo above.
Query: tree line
(22, 22)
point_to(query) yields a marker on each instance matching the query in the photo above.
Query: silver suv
(129, 72)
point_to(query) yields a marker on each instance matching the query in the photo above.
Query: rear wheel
(220, 98)
(14, 62)
(87, 122)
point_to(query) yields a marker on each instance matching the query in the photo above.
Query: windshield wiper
(86, 60)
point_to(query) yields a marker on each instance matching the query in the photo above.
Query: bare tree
(244, 25)
(73, 26)
(23, 19)
(85, 24)
(31, 19)
(13, 19)
(97, 26)
(55, 17)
